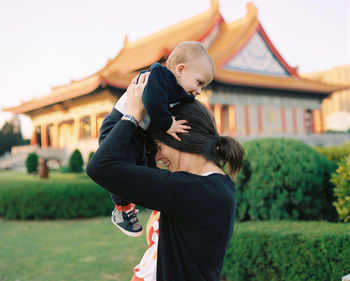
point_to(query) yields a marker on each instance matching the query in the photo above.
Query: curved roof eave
(59, 94)
(145, 51)
(290, 83)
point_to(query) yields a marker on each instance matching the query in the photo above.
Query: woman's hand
(134, 105)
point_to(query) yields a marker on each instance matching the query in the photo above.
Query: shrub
(288, 251)
(54, 198)
(64, 169)
(62, 196)
(335, 153)
(341, 179)
(284, 179)
(76, 162)
(32, 163)
(90, 155)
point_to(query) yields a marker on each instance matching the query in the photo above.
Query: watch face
(132, 119)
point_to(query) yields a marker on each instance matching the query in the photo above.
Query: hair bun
(219, 146)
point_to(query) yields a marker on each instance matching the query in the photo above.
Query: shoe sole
(128, 233)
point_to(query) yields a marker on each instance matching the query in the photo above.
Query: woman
(195, 197)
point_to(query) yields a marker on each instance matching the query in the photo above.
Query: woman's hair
(188, 51)
(203, 137)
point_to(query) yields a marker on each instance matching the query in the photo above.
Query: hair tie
(218, 144)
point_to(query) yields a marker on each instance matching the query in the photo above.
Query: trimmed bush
(288, 251)
(341, 179)
(32, 163)
(62, 196)
(335, 153)
(54, 199)
(284, 179)
(76, 162)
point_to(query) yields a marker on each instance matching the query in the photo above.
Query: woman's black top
(197, 212)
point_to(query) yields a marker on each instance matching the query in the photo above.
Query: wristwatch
(131, 119)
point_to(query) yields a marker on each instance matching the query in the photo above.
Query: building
(255, 92)
(336, 108)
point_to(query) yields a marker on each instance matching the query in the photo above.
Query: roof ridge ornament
(126, 40)
(213, 2)
(214, 5)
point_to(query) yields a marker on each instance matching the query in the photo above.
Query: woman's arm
(144, 186)
(108, 167)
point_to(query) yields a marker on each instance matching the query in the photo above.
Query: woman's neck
(198, 165)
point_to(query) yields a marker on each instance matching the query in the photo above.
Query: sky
(47, 43)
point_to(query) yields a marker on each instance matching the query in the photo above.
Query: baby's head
(192, 66)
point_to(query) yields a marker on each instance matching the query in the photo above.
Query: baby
(188, 69)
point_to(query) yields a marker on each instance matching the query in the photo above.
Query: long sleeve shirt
(162, 90)
(197, 212)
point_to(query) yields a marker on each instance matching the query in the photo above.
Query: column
(93, 121)
(44, 136)
(313, 121)
(77, 128)
(305, 118)
(33, 139)
(323, 125)
(260, 125)
(246, 118)
(232, 119)
(218, 117)
(283, 119)
(55, 135)
(294, 120)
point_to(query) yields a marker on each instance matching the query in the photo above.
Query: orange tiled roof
(60, 94)
(141, 53)
(274, 82)
(233, 36)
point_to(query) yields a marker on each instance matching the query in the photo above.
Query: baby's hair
(188, 51)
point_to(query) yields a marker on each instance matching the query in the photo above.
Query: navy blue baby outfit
(161, 91)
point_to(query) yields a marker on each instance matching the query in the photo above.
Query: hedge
(76, 161)
(54, 198)
(288, 251)
(61, 196)
(284, 179)
(341, 179)
(335, 154)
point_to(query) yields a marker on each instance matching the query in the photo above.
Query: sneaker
(127, 221)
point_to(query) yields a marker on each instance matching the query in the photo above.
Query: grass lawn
(93, 249)
(87, 249)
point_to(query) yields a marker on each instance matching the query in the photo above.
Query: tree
(76, 162)
(32, 163)
(9, 137)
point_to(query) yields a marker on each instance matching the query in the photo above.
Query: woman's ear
(179, 69)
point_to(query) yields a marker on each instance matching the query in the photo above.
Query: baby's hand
(178, 127)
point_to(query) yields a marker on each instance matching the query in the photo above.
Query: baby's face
(195, 76)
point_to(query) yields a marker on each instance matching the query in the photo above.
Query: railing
(16, 159)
